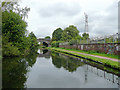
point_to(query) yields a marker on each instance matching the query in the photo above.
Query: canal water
(48, 69)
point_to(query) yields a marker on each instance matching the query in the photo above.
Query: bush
(93, 51)
(55, 44)
(10, 50)
(72, 42)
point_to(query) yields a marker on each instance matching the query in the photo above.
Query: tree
(13, 26)
(32, 35)
(15, 7)
(70, 33)
(47, 37)
(34, 42)
(13, 33)
(14, 39)
(57, 34)
(85, 36)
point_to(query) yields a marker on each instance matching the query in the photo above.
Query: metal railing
(113, 38)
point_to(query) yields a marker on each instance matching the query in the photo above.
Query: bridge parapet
(44, 40)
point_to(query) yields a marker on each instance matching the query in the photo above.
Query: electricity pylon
(86, 23)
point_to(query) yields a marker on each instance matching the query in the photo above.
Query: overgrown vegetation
(15, 40)
(55, 43)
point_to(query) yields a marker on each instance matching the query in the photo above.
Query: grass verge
(94, 53)
(112, 64)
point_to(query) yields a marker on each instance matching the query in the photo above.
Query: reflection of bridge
(43, 40)
(46, 53)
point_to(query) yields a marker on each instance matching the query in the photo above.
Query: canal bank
(112, 63)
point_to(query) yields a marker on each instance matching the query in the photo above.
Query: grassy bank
(105, 62)
(93, 53)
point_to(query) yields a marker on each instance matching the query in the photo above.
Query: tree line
(69, 34)
(15, 38)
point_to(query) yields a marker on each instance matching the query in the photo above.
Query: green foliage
(70, 33)
(13, 26)
(10, 50)
(13, 33)
(55, 44)
(85, 36)
(14, 39)
(73, 41)
(56, 36)
(33, 42)
(76, 40)
(92, 52)
(47, 37)
(78, 37)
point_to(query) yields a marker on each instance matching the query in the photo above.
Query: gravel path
(117, 60)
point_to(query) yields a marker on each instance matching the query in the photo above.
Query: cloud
(57, 9)
(105, 22)
(47, 15)
(101, 22)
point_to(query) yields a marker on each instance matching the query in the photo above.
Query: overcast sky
(47, 15)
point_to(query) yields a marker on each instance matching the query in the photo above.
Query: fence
(107, 44)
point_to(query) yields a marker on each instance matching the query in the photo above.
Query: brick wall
(108, 48)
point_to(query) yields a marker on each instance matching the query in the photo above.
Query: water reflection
(15, 69)
(51, 69)
(69, 63)
(44, 53)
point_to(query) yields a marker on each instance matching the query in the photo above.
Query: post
(87, 40)
(113, 40)
(104, 43)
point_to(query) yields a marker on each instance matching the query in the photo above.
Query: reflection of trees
(56, 60)
(69, 63)
(15, 70)
(31, 59)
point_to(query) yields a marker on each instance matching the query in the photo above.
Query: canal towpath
(102, 57)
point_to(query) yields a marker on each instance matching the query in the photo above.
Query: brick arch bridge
(44, 41)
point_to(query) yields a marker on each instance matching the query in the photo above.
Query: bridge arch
(45, 42)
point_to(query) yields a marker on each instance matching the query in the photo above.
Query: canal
(48, 69)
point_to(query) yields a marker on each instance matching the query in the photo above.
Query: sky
(45, 16)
